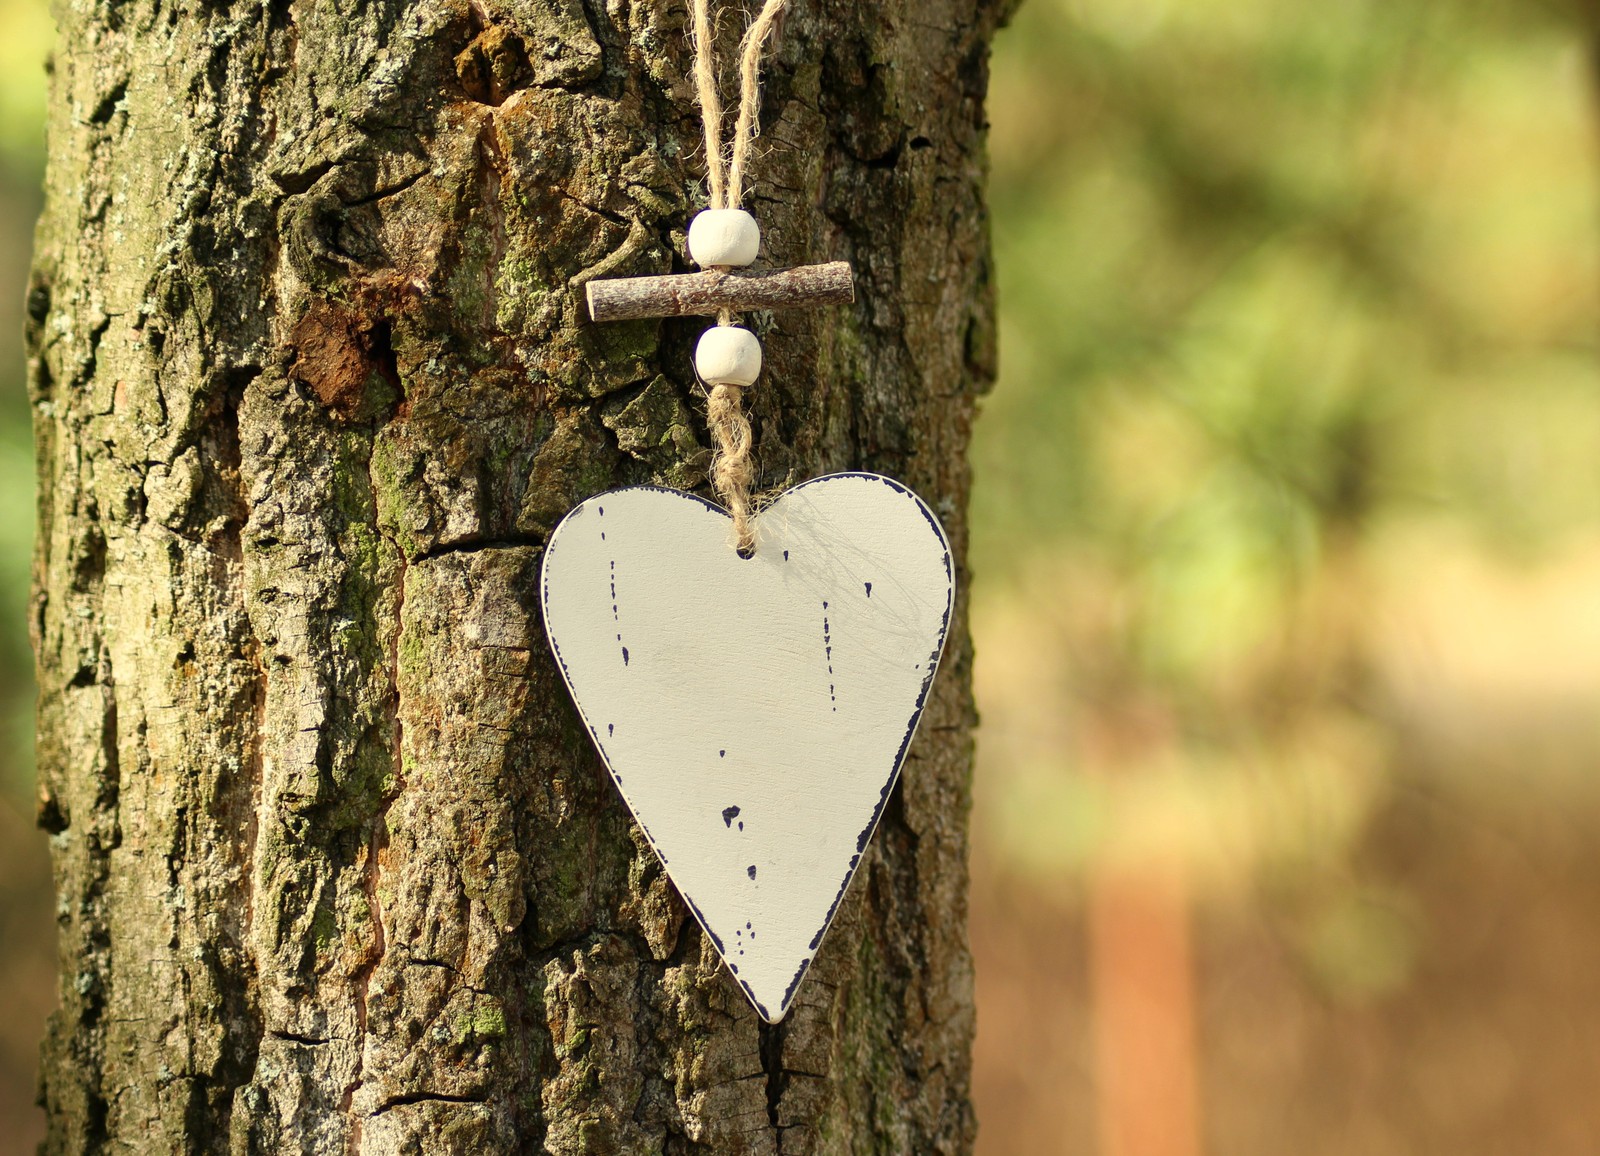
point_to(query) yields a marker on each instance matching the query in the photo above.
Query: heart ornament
(753, 711)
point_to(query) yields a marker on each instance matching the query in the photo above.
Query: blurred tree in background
(1288, 599)
(27, 941)
(1287, 533)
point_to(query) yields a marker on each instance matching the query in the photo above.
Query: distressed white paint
(753, 712)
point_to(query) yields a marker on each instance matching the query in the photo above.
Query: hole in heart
(746, 552)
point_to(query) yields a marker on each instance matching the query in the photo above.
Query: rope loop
(732, 461)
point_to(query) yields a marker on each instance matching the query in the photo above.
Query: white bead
(728, 355)
(723, 237)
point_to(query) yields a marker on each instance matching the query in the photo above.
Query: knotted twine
(732, 468)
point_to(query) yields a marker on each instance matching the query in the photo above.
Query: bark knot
(345, 358)
(493, 66)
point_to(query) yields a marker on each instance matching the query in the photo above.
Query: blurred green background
(1287, 544)
(27, 931)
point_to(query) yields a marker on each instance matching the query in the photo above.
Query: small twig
(706, 294)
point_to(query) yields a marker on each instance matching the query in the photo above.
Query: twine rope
(732, 464)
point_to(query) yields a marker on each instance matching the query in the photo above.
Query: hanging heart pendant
(754, 712)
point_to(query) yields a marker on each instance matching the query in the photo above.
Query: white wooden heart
(754, 712)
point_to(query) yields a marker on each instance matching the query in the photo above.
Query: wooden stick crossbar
(708, 293)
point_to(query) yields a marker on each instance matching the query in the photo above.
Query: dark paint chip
(752, 868)
(729, 814)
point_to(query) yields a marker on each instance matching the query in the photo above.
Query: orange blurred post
(1142, 985)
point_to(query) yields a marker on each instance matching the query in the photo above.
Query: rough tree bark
(338, 870)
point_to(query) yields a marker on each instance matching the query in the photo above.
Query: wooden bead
(719, 238)
(728, 355)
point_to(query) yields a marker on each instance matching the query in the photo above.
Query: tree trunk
(338, 870)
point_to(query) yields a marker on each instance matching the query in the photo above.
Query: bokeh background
(1287, 544)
